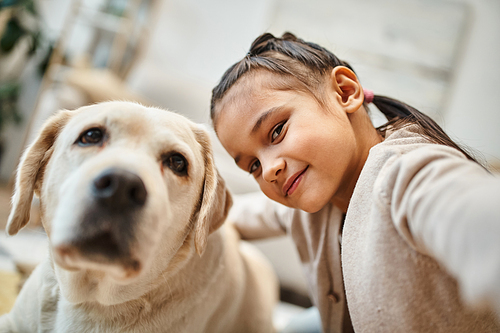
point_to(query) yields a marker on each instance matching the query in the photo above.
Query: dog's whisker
(170, 293)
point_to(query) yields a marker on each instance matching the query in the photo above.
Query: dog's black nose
(119, 188)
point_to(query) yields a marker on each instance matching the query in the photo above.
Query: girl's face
(302, 155)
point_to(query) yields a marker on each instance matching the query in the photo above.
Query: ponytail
(400, 114)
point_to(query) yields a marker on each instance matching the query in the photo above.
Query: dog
(134, 210)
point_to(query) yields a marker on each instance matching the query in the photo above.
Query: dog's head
(122, 187)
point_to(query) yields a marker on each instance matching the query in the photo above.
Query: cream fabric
(419, 242)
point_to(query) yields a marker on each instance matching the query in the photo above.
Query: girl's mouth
(293, 182)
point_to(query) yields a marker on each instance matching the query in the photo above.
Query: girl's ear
(349, 91)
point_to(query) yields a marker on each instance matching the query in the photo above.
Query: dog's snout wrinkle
(65, 250)
(119, 188)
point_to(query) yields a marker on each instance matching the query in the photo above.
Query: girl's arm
(256, 216)
(449, 207)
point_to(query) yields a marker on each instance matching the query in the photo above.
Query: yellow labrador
(134, 208)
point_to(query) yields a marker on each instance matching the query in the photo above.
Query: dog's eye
(91, 136)
(177, 163)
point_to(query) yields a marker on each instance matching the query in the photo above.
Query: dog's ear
(215, 199)
(30, 171)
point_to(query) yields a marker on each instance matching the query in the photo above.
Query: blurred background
(442, 57)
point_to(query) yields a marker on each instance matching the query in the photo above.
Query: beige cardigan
(421, 239)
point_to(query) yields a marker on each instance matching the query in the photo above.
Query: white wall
(473, 112)
(194, 42)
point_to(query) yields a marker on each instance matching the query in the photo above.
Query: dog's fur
(168, 265)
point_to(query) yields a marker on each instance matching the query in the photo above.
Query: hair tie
(368, 95)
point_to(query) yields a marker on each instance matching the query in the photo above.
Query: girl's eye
(177, 163)
(277, 131)
(91, 137)
(254, 166)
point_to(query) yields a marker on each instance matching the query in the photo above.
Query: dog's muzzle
(106, 231)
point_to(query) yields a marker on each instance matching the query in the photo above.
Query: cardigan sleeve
(255, 216)
(448, 207)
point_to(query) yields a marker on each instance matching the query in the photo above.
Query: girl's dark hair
(308, 63)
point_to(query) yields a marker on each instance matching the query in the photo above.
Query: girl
(397, 227)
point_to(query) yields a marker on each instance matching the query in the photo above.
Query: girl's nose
(272, 169)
